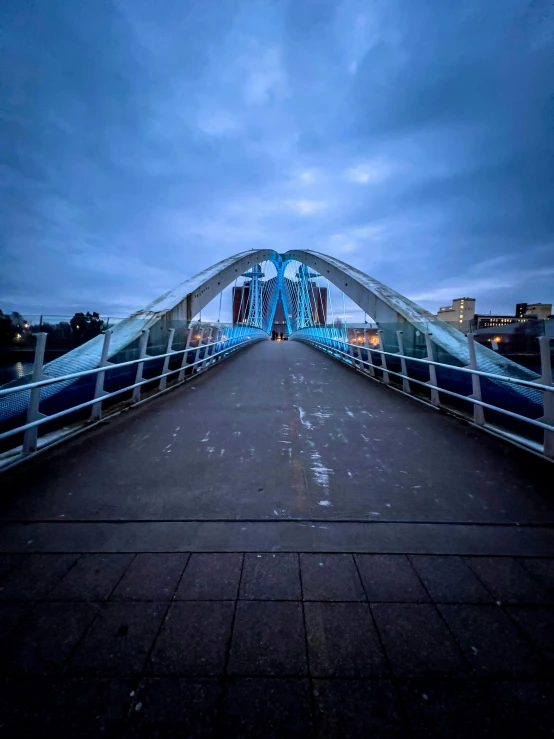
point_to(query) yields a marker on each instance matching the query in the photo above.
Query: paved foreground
(281, 548)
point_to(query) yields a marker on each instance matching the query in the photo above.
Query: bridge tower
(255, 312)
(304, 317)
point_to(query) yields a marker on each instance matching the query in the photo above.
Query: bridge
(207, 532)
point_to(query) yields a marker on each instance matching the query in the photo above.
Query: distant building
(459, 314)
(241, 303)
(490, 321)
(533, 310)
(525, 313)
(518, 340)
(362, 333)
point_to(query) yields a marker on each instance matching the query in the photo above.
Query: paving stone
(268, 639)
(516, 579)
(84, 707)
(342, 640)
(210, 577)
(175, 707)
(34, 575)
(270, 577)
(390, 578)
(151, 577)
(330, 577)
(11, 615)
(449, 579)
(491, 642)
(45, 639)
(267, 707)
(120, 639)
(537, 623)
(358, 709)
(93, 577)
(450, 708)
(194, 639)
(416, 640)
(526, 708)
(21, 699)
(8, 562)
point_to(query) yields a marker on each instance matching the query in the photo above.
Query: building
(525, 313)
(459, 314)
(362, 333)
(241, 303)
(541, 311)
(490, 321)
(518, 340)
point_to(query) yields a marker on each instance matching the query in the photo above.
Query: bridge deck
(281, 547)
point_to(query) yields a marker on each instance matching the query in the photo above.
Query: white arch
(386, 306)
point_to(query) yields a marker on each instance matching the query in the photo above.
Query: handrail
(107, 367)
(532, 421)
(468, 370)
(228, 340)
(88, 403)
(332, 345)
(149, 358)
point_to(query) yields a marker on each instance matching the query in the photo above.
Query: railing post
(140, 366)
(356, 354)
(350, 351)
(96, 412)
(478, 410)
(206, 334)
(210, 349)
(181, 375)
(198, 367)
(405, 382)
(548, 397)
(367, 345)
(163, 380)
(384, 366)
(435, 397)
(30, 437)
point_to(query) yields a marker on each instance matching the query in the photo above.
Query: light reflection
(21, 369)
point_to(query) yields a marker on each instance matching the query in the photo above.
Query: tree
(85, 326)
(6, 329)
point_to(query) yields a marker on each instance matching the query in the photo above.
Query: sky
(143, 141)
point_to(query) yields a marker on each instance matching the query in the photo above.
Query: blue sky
(143, 141)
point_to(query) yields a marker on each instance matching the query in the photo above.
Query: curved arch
(181, 303)
(388, 308)
(392, 311)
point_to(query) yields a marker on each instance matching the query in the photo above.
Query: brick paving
(271, 645)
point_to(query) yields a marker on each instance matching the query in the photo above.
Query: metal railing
(208, 344)
(334, 343)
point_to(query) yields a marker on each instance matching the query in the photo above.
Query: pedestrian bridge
(208, 533)
(167, 343)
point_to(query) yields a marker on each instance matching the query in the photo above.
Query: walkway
(280, 548)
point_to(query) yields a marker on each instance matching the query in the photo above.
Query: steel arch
(391, 311)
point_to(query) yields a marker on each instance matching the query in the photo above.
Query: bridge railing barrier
(476, 395)
(138, 379)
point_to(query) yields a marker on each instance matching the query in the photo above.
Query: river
(14, 370)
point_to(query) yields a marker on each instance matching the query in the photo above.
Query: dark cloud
(144, 141)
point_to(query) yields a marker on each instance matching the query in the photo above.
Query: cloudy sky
(144, 140)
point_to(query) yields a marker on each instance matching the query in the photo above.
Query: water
(14, 370)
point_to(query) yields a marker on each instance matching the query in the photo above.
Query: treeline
(15, 331)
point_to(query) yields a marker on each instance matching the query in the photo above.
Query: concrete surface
(279, 549)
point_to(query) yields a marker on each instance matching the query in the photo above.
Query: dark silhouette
(85, 326)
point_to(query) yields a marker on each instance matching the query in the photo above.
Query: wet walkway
(280, 548)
